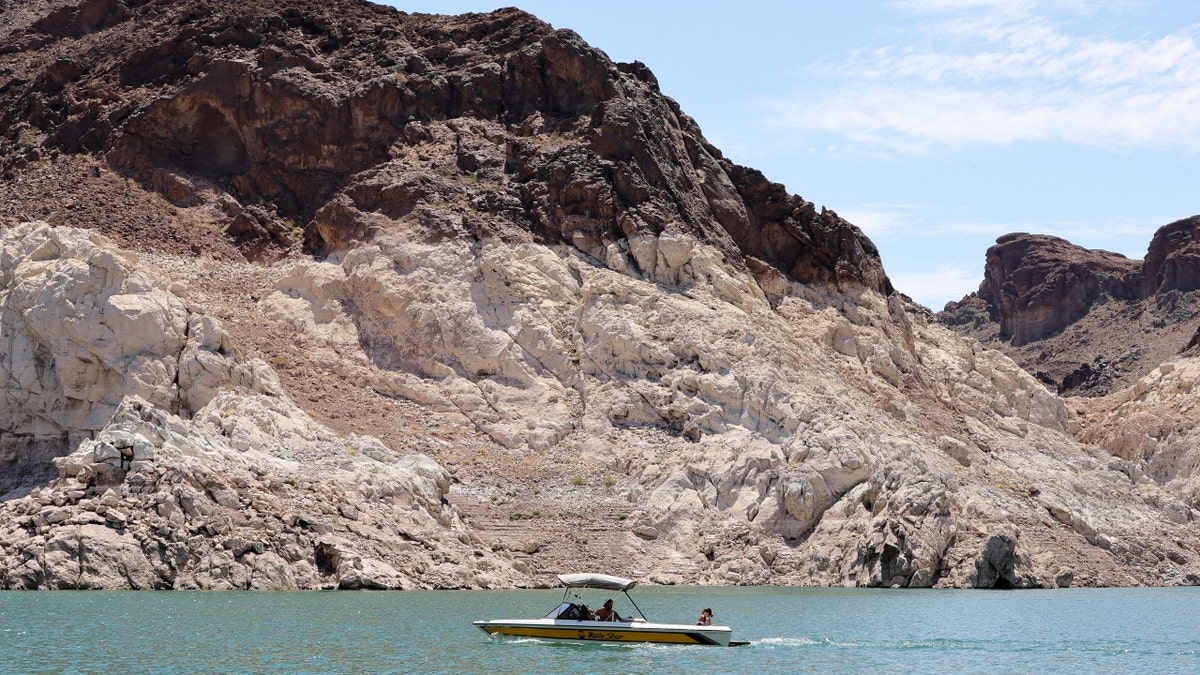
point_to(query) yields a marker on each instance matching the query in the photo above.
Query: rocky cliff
(1086, 322)
(306, 294)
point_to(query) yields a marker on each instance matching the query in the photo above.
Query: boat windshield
(559, 610)
(568, 611)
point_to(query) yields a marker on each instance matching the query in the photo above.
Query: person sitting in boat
(585, 614)
(705, 617)
(607, 613)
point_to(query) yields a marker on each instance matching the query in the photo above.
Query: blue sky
(934, 125)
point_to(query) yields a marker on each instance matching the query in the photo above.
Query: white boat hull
(609, 632)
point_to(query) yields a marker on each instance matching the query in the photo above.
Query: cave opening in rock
(215, 145)
(326, 557)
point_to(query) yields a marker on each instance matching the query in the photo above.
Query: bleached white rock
(81, 327)
(769, 431)
(836, 418)
(177, 433)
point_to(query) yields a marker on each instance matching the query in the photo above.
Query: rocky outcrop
(473, 128)
(538, 320)
(141, 451)
(1153, 426)
(1173, 259)
(752, 457)
(1087, 322)
(731, 467)
(1041, 284)
(158, 502)
(82, 328)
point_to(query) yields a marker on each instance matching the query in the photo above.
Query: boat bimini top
(570, 610)
(601, 581)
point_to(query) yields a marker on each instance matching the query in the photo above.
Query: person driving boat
(606, 613)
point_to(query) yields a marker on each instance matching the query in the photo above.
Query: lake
(791, 630)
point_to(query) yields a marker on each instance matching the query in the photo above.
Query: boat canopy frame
(601, 582)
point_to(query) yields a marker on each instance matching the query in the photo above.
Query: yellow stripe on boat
(588, 634)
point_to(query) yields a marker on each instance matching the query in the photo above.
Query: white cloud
(934, 289)
(882, 220)
(907, 221)
(1002, 72)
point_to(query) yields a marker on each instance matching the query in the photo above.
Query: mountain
(323, 294)
(1086, 322)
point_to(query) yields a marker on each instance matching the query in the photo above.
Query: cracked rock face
(158, 502)
(83, 327)
(813, 437)
(142, 452)
(451, 302)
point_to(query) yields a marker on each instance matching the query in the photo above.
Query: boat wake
(520, 640)
(900, 645)
(786, 642)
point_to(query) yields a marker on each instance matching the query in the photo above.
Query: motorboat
(572, 621)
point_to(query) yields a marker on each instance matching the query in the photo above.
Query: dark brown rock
(1173, 260)
(1040, 284)
(351, 119)
(1086, 321)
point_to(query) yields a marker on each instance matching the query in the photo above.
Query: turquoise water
(790, 630)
